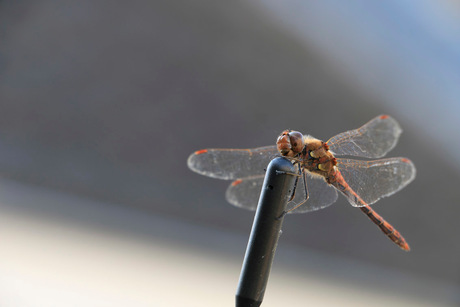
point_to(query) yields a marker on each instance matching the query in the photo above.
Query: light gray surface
(118, 257)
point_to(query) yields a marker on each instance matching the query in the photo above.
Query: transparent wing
(373, 140)
(244, 193)
(372, 180)
(231, 163)
(320, 195)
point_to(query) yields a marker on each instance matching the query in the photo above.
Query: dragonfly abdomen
(336, 180)
(386, 228)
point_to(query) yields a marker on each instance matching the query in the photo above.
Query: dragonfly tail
(386, 228)
(337, 180)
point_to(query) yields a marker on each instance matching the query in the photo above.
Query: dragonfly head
(290, 143)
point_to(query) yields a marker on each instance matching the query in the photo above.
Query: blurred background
(101, 102)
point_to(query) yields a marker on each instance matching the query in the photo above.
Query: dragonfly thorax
(317, 158)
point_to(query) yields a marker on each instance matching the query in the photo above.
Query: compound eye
(296, 140)
(283, 143)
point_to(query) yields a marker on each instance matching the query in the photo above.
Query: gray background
(107, 99)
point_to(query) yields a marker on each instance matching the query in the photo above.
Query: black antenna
(277, 189)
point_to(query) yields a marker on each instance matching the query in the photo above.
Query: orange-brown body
(315, 157)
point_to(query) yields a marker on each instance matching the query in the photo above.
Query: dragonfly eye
(283, 143)
(290, 143)
(296, 139)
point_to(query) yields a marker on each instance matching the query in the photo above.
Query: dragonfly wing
(231, 163)
(373, 140)
(320, 195)
(244, 193)
(372, 180)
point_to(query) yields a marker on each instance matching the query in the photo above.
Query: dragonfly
(322, 173)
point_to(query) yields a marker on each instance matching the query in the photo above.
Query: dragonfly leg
(295, 183)
(304, 179)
